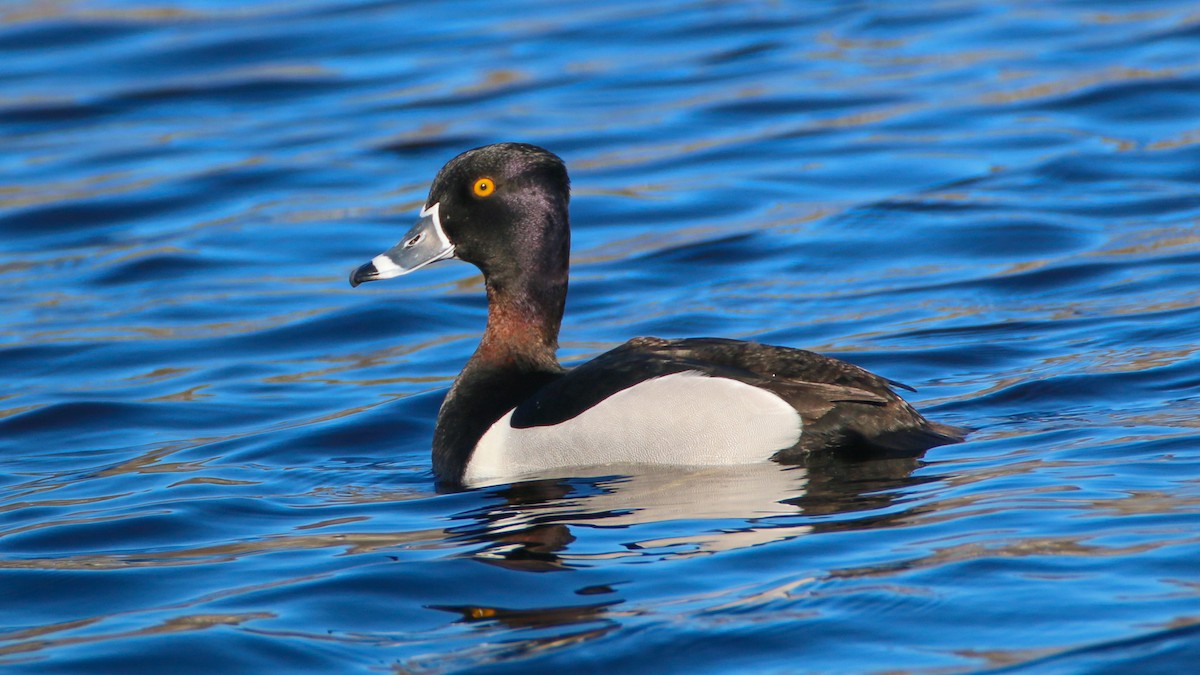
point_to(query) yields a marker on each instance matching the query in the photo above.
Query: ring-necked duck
(513, 410)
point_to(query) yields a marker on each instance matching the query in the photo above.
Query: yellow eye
(484, 187)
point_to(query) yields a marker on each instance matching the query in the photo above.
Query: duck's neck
(515, 358)
(522, 327)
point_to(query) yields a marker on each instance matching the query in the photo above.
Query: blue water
(214, 454)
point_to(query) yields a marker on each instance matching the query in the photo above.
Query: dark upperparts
(504, 208)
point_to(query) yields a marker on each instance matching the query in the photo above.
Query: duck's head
(501, 207)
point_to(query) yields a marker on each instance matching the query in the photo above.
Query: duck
(515, 411)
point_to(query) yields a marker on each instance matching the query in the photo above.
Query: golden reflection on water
(1148, 239)
(372, 360)
(189, 395)
(1077, 82)
(1174, 142)
(177, 624)
(15, 12)
(17, 410)
(106, 184)
(353, 543)
(213, 480)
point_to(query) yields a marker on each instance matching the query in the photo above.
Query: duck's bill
(425, 244)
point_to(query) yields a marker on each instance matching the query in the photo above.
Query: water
(214, 452)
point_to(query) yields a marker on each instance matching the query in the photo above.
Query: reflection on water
(215, 455)
(737, 507)
(537, 517)
(722, 509)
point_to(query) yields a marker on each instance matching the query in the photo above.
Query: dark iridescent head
(501, 207)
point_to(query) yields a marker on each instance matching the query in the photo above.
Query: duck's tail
(915, 440)
(949, 432)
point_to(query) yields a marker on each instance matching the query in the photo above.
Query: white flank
(686, 419)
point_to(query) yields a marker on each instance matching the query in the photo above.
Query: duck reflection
(668, 512)
(534, 524)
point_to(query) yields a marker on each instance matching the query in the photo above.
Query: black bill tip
(365, 272)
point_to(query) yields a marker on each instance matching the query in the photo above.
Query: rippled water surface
(214, 454)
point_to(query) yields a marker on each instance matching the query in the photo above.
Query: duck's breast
(685, 418)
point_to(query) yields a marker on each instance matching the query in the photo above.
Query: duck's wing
(843, 408)
(891, 427)
(783, 363)
(644, 359)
